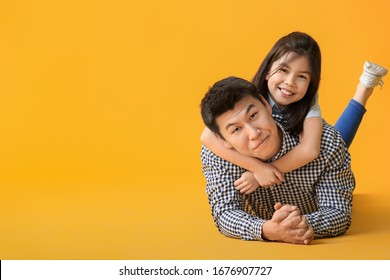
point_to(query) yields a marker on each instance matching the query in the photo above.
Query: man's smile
(260, 143)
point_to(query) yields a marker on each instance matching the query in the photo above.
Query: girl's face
(288, 82)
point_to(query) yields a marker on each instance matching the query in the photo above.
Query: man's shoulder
(210, 159)
(333, 147)
(331, 137)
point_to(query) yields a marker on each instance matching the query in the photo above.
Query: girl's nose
(289, 81)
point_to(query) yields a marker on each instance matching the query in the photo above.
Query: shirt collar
(270, 101)
(288, 142)
(274, 106)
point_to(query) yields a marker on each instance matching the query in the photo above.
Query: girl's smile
(288, 82)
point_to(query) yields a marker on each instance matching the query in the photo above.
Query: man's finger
(280, 216)
(278, 205)
(293, 221)
(309, 235)
(287, 207)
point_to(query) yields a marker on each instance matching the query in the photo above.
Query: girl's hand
(247, 183)
(267, 175)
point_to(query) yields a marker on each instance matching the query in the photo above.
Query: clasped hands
(288, 225)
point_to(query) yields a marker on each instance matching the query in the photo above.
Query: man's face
(250, 129)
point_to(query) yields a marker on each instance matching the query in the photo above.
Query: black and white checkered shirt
(322, 190)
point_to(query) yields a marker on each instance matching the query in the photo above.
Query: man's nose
(253, 132)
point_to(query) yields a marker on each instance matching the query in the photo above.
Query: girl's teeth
(286, 91)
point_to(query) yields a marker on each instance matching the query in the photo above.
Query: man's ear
(224, 142)
(266, 104)
(227, 145)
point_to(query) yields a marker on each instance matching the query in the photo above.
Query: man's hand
(287, 225)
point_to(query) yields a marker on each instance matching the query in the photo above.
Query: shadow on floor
(370, 214)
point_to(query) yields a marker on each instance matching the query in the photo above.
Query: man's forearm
(238, 224)
(334, 213)
(329, 222)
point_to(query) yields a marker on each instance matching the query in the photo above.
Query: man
(313, 201)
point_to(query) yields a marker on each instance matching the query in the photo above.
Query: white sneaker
(372, 75)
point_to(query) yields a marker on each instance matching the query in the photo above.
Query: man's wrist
(260, 231)
(265, 231)
(263, 236)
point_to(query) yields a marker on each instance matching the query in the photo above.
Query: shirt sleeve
(334, 193)
(225, 201)
(315, 110)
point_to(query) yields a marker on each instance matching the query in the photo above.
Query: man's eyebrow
(246, 112)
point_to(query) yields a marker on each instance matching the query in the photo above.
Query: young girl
(289, 79)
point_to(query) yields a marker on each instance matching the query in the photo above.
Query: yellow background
(100, 124)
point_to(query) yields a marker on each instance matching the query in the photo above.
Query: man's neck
(279, 143)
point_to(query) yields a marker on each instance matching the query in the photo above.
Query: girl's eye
(302, 77)
(282, 70)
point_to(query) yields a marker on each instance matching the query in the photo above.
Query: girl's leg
(350, 119)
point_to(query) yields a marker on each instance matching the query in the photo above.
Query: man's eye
(235, 130)
(253, 116)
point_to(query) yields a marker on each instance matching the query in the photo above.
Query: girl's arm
(265, 173)
(214, 144)
(307, 150)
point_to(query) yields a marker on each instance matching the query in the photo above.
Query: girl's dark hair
(297, 44)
